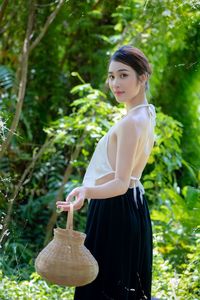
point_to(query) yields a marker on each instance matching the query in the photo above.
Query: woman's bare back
(143, 117)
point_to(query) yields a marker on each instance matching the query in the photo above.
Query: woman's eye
(123, 75)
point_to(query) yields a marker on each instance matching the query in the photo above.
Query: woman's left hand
(79, 193)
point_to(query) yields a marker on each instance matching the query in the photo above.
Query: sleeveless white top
(99, 165)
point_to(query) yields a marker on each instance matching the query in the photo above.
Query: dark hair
(134, 58)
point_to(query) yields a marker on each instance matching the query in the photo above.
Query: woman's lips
(118, 93)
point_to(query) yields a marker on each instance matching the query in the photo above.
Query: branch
(46, 25)
(3, 9)
(23, 80)
(18, 187)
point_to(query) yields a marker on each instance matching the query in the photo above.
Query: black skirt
(119, 235)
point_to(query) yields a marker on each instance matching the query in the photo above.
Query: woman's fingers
(64, 208)
(71, 195)
(77, 204)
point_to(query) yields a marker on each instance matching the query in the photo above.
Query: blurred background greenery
(54, 107)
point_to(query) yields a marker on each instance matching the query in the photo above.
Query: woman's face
(123, 81)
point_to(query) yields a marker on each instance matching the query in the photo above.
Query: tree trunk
(3, 9)
(23, 68)
(23, 79)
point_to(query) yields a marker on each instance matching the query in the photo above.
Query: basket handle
(70, 217)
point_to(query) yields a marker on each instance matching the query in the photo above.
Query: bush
(35, 288)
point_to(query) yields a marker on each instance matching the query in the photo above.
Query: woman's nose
(115, 83)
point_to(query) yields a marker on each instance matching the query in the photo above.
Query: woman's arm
(127, 142)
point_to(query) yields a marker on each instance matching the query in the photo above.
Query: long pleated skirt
(119, 236)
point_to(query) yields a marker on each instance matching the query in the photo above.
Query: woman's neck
(130, 105)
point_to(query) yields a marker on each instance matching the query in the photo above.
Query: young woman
(119, 233)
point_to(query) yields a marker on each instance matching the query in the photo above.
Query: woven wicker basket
(65, 260)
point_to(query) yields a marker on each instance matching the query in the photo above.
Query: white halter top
(99, 165)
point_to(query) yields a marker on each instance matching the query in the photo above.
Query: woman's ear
(143, 78)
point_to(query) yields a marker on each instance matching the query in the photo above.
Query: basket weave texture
(65, 260)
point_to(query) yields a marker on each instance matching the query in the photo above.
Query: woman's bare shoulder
(128, 126)
(132, 123)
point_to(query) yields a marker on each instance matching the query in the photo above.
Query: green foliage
(35, 288)
(88, 118)
(174, 209)
(175, 219)
(76, 112)
(166, 157)
(6, 78)
(168, 283)
(7, 81)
